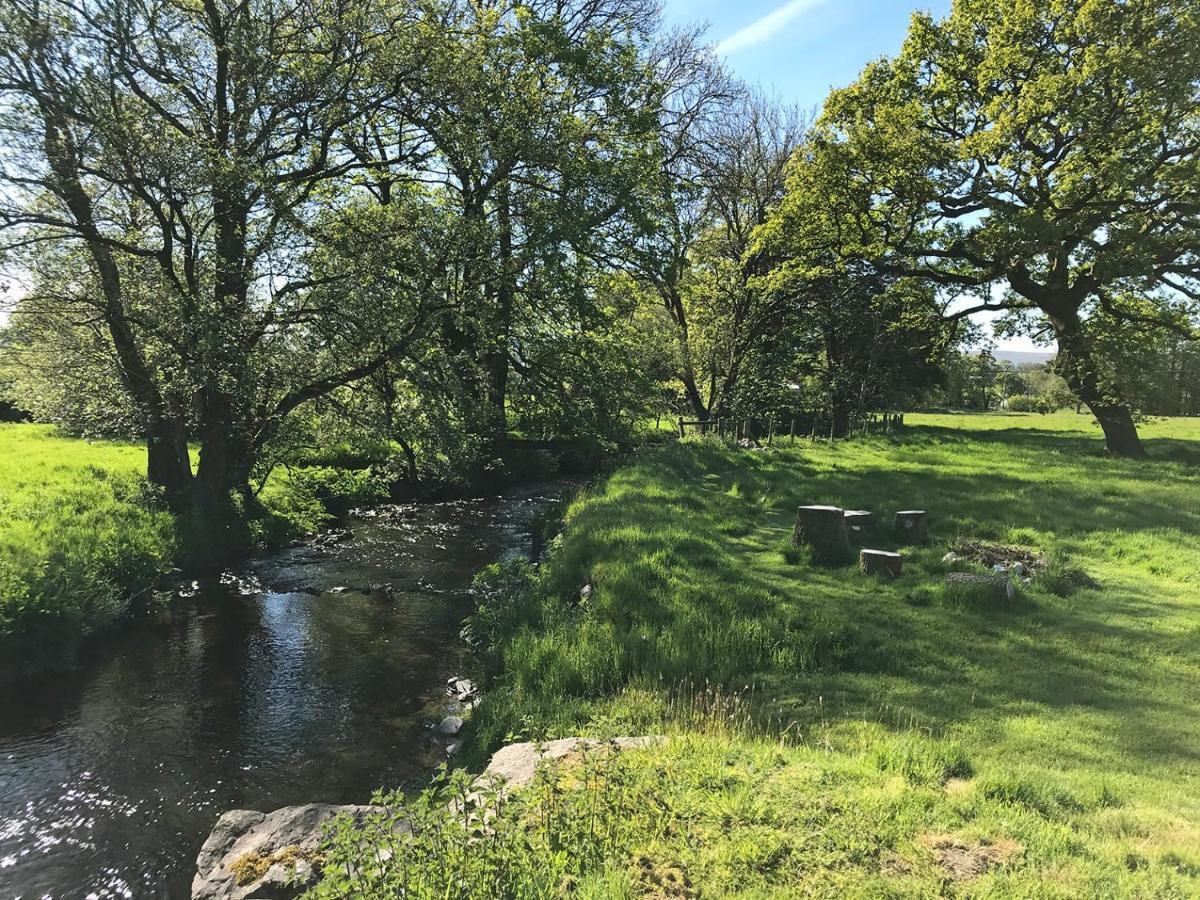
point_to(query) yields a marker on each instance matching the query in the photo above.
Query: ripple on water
(259, 692)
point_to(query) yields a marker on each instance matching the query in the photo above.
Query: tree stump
(995, 587)
(857, 519)
(823, 528)
(910, 526)
(880, 562)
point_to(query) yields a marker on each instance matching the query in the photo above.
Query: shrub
(1039, 403)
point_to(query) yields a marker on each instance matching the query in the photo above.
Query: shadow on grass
(686, 550)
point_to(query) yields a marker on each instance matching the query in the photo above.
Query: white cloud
(766, 27)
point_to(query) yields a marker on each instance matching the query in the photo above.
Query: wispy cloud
(766, 27)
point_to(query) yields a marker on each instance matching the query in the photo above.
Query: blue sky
(796, 50)
(799, 49)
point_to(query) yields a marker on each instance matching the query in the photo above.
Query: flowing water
(312, 676)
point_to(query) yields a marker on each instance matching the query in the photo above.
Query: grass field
(79, 536)
(1061, 730)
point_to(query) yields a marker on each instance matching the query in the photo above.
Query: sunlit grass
(1076, 715)
(80, 536)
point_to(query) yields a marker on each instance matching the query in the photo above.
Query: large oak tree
(1034, 157)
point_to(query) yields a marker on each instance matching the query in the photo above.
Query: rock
(1020, 570)
(462, 688)
(911, 526)
(450, 725)
(454, 749)
(516, 764)
(254, 854)
(951, 558)
(880, 562)
(999, 569)
(585, 593)
(823, 528)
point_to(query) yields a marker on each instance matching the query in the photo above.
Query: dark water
(294, 683)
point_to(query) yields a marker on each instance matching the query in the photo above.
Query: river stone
(450, 725)
(244, 833)
(516, 764)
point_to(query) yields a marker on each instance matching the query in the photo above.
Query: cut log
(880, 562)
(997, 587)
(910, 526)
(823, 528)
(857, 519)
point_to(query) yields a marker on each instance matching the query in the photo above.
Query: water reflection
(315, 688)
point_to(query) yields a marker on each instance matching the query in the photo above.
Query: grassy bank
(83, 538)
(1060, 730)
(80, 536)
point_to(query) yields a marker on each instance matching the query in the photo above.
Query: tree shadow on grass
(689, 549)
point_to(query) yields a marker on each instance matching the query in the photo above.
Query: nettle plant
(470, 837)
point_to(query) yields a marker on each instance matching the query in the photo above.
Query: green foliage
(560, 834)
(1042, 403)
(336, 490)
(83, 535)
(1017, 155)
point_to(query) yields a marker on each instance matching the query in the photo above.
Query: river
(296, 680)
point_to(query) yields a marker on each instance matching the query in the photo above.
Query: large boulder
(516, 764)
(255, 856)
(264, 855)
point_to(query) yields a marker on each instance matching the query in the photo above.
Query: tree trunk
(168, 463)
(1077, 365)
(823, 528)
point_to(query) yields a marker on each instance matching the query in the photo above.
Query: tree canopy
(1033, 158)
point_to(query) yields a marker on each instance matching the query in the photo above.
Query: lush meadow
(882, 732)
(81, 538)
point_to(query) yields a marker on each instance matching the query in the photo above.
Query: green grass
(80, 536)
(83, 537)
(1072, 719)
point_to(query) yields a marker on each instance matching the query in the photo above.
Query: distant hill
(1021, 357)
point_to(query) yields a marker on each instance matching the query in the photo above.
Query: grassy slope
(77, 537)
(1068, 725)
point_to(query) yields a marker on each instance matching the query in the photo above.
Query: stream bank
(315, 675)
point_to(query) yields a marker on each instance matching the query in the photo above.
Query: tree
(185, 148)
(1029, 157)
(539, 120)
(725, 151)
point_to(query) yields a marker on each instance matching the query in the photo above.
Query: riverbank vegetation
(85, 539)
(82, 538)
(1053, 730)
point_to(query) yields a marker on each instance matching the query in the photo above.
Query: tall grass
(677, 570)
(81, 536)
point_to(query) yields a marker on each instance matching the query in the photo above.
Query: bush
(309, 497)
(1039, 403)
